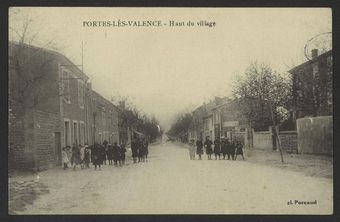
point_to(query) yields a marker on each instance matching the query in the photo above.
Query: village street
(171, 183)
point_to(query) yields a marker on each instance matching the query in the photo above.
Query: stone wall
(19, 157)
(288, 141)
(263, 140)
(315, 135)
(45, 126)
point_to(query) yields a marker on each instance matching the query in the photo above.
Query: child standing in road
(239, 149)
(122, 151)
(192, 149)
(87, 154)
(64, 158)
(82, 156)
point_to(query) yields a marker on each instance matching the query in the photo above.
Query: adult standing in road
(104, 151)
(208, 147)
(116, 154)
(141, 151)
(96, 155)
(223, 147)
(199, 148)
(146, 147)
(75, 156)
(229, 148)
(232, 149)
(217, 148)
(122, 151)
(109, 153)
(134, 150)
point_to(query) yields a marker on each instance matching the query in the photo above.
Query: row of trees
(134, 119)
(181, 125)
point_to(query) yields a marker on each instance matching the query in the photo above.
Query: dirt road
(171, 183)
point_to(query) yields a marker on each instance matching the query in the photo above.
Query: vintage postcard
(170, 111)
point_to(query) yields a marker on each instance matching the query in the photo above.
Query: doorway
(57, 148)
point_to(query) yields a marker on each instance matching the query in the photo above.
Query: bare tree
(259, 86)
(263, 96)
(29, 69)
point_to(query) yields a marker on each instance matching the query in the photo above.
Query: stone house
(312, 86)
(104, 120)
(50, 107)
(217, 118)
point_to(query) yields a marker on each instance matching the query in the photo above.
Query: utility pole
(82, 57)
(94, 127)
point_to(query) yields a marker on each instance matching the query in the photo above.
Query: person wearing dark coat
(75, 159)
(208, 147)
(109, 153)
(146, 149)
(116, 155)
(96, 155)
(224, 147)
(229, 148)
(239, 149)
(199, 149)
(217, 148)
(122, 152)
(104, 151)
(232, 149)
(141, 151)
(134, 150)
(87, 153)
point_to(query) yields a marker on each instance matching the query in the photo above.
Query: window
(100, 138)
(315, 70)
(216, 117)
(82, 133)
(329, 98)
(67, 133)
(66, 86)
(75, 133)
(81, 93)
(103, 117)
(330, 61)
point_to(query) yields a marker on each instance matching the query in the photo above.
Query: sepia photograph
(167, 110)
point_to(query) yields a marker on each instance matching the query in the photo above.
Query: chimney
(122, 104)
(314, 53)
(89, 85)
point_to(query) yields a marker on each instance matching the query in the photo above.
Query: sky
(166, 70)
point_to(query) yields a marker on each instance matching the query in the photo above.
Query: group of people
(97, 153)
(219, 147)
(140, 150)
(115, 154)
(77, 155)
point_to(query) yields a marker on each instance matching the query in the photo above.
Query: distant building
(312, 86)
(230, 119)
(220, 117)
(104, 120)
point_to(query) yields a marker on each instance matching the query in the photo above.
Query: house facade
(104, 120)
(51, 105)
(215, 119)
(312, 86)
